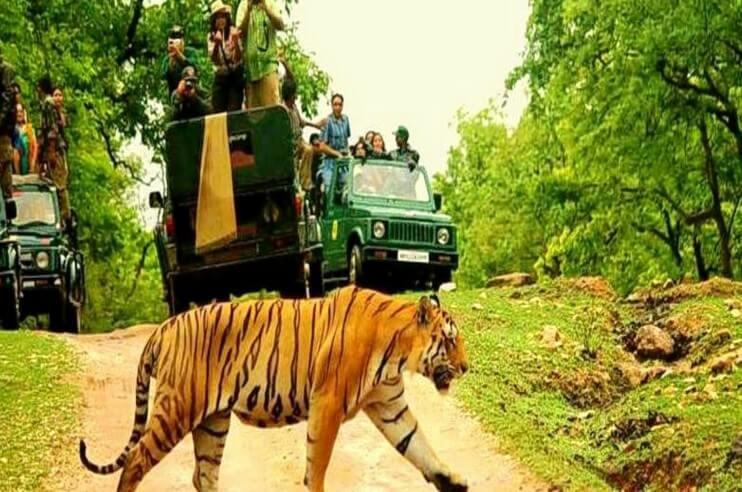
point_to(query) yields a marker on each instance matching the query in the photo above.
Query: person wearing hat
(403, 152)
(186, 101)
(259, 20)
(225, 50)
(179, 56)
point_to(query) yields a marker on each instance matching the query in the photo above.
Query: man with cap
(186, 100)
(8, 118)
(179, 56)
(404, 152)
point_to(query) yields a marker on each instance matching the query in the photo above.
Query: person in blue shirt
(335, 132)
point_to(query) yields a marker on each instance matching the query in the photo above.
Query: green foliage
(110, 68)
(524, 391)
(38, 409)
(629, 158)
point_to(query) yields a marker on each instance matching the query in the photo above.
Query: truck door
(334, 236)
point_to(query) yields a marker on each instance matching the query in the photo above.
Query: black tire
(179, 301)
(317, 279)
(355, 266)
(58, 315)
(73, 322)
(11, 308)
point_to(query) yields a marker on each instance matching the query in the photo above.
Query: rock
(736, 313)
(516, 294)
(448, 287)
(689, 389)
(723, 363)
(477, 307)
(710, 391)
(511, 280)
(631, 372)
(654, 343)
(635, 298)
(550, 337)
(732, 304)
(651, 373)
(668, 284)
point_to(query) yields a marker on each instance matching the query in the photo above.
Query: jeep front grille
(411, 232)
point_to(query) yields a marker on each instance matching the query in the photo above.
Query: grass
(568, 413)
(37, 407)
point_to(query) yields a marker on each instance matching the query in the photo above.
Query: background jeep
(380, 225)
(10, 269)
(53, 269)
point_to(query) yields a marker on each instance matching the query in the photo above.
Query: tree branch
(131, 33)
(115, 161)
(140, 267)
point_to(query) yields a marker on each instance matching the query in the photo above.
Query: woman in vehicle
(25, 144)
(225, 50)
(378, 148)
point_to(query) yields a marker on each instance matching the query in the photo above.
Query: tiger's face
(444, 357)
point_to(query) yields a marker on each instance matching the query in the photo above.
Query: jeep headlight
(379, 230)
(444, 236)
(42, 260)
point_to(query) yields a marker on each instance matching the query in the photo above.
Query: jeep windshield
(390, 181)
(34, 208)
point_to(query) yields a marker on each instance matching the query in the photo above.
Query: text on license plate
(413, 256)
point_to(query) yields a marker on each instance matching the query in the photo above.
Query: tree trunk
(703, 273)
(716, 213)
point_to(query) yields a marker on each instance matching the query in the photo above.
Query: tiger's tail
(144, 373)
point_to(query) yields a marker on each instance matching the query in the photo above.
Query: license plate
(28, 283)
(413, 256)
(26, 257)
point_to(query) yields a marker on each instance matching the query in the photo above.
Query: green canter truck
(277, 244)
(381, 226)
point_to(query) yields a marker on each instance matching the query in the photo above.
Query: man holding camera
(179, 56)
(187, 103)
(259, 20)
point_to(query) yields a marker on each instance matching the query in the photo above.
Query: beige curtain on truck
(216, 219)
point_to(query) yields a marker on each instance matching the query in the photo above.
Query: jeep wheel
(73, 321)
(317, 279)
(11, 308)
(58, 315)
(355, 266)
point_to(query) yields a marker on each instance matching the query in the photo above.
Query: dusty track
(273, 460)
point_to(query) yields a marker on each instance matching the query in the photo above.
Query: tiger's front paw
(450, 483)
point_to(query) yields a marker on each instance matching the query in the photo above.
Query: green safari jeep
(10, 269)
(381, 226)
(53, 267)
(277, 245)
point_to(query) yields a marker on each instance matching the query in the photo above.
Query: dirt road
(273, 459)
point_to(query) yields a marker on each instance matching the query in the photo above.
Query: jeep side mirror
(11, 210)
(155, 200)
(438, 201)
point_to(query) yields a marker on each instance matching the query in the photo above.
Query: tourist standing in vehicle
(259, 20)
(360, 149)
(225, 50)
(304, 152)
(185, 100)
(52, 156)
(25, 144)
(336, 132)
(8, 119)
(179, 56)
(403, 152)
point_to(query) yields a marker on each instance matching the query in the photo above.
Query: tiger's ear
(424, 311)
(435, 300)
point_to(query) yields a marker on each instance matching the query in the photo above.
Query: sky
(412, 63)
(416, 62)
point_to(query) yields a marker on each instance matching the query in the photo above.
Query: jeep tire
(355, 266)
(10, 308)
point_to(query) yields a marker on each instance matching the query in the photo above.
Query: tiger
(278, 362)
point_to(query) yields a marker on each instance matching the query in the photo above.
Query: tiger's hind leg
(208, 446)
(394, 419)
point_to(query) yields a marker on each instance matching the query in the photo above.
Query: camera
(190, 84)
